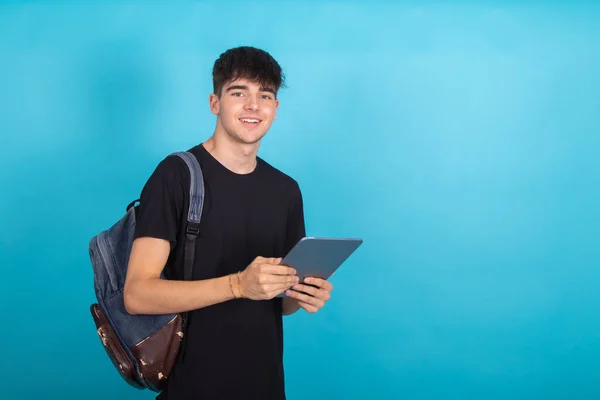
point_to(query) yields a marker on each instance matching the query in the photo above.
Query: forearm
(160, 296)
(290, 306)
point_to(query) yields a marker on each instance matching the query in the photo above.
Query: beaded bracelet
(239, 284)
(231, 287)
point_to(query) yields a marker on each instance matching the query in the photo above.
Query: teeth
(254, 121)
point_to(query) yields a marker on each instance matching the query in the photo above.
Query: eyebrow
(244, 87)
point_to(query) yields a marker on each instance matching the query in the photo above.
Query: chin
(246, 138)
(253, 140)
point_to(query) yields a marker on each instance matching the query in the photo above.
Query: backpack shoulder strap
(196, 203)
(192, 228)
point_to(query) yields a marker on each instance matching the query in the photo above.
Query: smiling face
(245, 110)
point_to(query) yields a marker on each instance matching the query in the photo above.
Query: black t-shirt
(233, 350)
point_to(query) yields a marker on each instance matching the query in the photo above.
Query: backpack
(143, 348)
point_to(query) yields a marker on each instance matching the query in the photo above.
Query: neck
(238, 157)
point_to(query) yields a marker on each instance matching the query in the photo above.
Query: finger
(273, 269)
(322, 283)
(312, 291)
(265, 260)
(313, 301)
(276, 290)
(307, 307)
(277, 287)
(264, 279)
(271, 260)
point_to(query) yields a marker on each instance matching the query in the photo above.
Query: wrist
(235, 286)
(238, 280)
(231, 287)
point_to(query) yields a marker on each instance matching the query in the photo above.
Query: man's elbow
(131, 303)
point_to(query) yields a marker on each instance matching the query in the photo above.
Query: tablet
(318, 257)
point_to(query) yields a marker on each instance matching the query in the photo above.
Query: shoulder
(171, 164)
(170, 173)
(171, 167)
(278, 178)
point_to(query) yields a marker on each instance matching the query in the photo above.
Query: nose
(251, 103)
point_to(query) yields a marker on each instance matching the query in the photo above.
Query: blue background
(462, 142)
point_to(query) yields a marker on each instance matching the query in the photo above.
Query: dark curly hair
(250, 63)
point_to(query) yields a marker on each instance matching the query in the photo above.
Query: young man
(252, 216)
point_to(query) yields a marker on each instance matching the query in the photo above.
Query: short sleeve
(296, 229)
(161, 202)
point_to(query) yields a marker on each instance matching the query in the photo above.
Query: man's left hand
(314, 297)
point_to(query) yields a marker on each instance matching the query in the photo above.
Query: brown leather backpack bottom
(156, 355)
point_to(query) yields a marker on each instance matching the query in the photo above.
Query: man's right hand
(265, 278)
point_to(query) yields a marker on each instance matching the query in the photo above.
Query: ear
(213, 102)
(276, 108)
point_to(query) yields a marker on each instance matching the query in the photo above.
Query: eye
(266, 97)
(237, 94)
